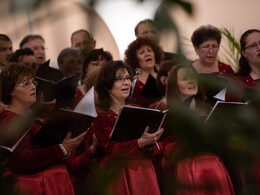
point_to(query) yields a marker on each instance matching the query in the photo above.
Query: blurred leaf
(16, 5)
(187, 6)
(163, 21)
(233, 50)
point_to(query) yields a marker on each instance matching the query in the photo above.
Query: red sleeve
(82, 155)
(30, 157)
(158, 148)
(78, 163)
(102, 128)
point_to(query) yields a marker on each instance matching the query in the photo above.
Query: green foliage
(232, 52)
(16, 5)
(164, 21)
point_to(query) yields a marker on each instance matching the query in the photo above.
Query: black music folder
(226, 111)
(132, 121)
(62, 121)
(250, 94)
(7, 150)
(63, 90)
(44, 71)
(53, 85)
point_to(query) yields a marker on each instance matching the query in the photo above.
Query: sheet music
(87, 104)
(221, 95)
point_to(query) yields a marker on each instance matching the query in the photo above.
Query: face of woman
(252, 49)
(24, 92)
(146, 57)
(187, 83)
(121, 87)
(208, 51)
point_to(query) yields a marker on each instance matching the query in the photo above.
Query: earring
(157, 66)
(137, 71)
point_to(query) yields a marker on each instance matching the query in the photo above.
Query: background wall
(112, 22)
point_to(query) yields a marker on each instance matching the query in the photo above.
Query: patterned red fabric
(225, 70)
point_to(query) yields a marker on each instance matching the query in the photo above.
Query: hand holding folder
(132, 122)
(147, 139)
(53, 85)
(63, 90)
(63, 121)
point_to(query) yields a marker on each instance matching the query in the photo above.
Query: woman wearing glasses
(35, 169)
(206, 41)
(137, 175)
(248, 75)
(245, 87)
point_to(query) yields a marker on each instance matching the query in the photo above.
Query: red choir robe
(138, 175)
(36, 170)
(204, 174)
(225, 70)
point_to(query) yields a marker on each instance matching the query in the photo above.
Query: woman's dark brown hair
(164, 69)
(105, 82)
(205, 33)
(244, 67)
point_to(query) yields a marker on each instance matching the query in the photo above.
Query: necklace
(12, 108)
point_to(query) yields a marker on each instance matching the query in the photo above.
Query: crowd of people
(148, 77)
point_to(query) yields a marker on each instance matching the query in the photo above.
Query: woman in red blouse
(206, 41)
(143, 55)
(35, 169)
(199, 173)
(137, 176)
(248, 75)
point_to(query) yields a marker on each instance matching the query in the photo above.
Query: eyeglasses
(253, 46)
(122, 79)
(208, 47)
(28, 83)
